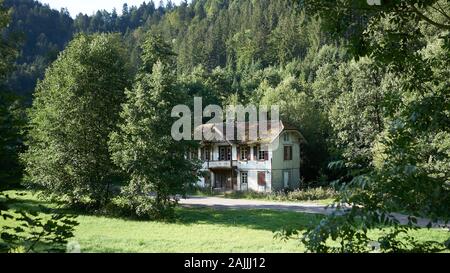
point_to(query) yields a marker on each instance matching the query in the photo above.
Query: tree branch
(441, 10)
(428, 20)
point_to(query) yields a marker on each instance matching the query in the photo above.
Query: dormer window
(287, 137)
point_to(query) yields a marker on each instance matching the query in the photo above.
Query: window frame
(227, 155)
(242, 156)
(206, 154)
(259, 152)
(288, 154)
(246, 178)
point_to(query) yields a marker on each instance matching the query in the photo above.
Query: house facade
(271, 163)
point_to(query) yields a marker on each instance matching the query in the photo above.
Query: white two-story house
(271, 163)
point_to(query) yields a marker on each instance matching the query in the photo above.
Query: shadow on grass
(262, 219)
(271, 220)
(29, 203)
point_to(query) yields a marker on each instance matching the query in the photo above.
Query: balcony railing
(222, 164)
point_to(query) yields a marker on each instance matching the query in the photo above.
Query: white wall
(280, 165)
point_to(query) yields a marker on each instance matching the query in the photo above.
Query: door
(223, 180)
(262, 181)
(244, 181)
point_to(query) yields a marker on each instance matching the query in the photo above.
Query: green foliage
(221, 49)
(143, 146)
(75, 109)
(310, 194)
(30, 233)
(351, 230)
(12, 121)
(366, 85)
(7, 50)
(11, 113)
(297, 108)
(356, 131)
(41, 33)
(407, 141)
(155, 49)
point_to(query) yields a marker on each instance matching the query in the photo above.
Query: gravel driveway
(226, 203)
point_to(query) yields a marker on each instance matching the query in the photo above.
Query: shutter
(255, 153)
(239, 152)
(261, 178)
(285, 153)
(266, 155)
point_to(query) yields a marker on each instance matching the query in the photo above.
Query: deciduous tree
(75, 109)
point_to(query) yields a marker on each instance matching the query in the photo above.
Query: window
(287, 153)
(287, 137)
(224, 153)
(244, 153)
(287, 178)
(244, 177)
(206, 154)
(194, 155)
(261, 154)
(262, 179)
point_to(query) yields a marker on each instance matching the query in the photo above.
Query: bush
(141, 207)
(200, 191)
(310, 194)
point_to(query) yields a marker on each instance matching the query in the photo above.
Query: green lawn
(195, 230)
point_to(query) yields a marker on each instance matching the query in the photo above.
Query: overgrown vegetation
(406, 163)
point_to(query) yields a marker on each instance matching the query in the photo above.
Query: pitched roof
(243, 130)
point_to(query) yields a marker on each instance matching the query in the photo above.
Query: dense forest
(366, 85)
(226, 50)
(238, 36)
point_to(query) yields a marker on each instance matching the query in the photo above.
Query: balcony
(222, 164)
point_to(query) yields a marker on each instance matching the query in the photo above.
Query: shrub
(141, 207)
(310, 194)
